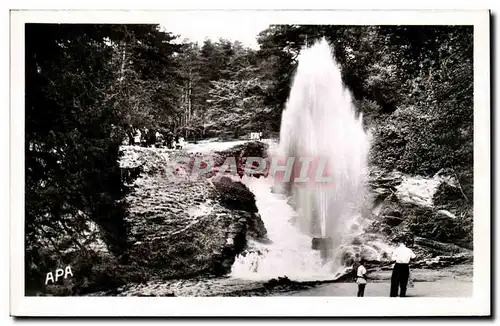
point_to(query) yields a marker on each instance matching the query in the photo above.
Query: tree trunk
(122, 70)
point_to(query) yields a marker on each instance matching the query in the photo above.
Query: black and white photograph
(251, 154)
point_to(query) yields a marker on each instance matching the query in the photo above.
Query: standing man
(361, 278)
(138, 136)
(130, 135)
(401, 271)
(169, 139)
(176, 141)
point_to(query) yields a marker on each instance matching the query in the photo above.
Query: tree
(84, 85)
(147, 76)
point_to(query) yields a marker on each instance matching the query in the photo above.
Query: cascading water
(319, 123)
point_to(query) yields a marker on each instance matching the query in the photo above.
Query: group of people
(146, 137)
(401, 257)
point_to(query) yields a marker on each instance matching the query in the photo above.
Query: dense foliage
(81, 94)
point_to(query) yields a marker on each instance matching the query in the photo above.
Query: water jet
(315, 228)
(320, 120)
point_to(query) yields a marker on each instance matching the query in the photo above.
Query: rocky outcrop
(415, 190)
(178, 227)
(444, 261)
(440, 248)
(187, 227)
(446, 213)
(425, 208)
(241, 153)
(383, 183)
(234, 195)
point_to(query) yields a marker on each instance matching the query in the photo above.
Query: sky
(201, 27)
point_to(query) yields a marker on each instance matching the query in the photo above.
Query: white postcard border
(478, 304)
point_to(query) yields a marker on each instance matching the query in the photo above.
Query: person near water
(130, 135)
(361, 278)
(401, 270)
(137, 137)
(144, 137)
(169, 139)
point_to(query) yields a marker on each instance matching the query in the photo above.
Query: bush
(234, 195)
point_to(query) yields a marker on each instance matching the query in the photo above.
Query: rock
(443, 261)
(444, 212)
(130, 174)
(381, 192)
(240, 153)
(234, 195)
(392, 220)
(448, 192)
(278, 281)
(255, 226)
(447, 176)
(433, 208)
(390, 207)
(383, 183)
(440, 247)
(402, 235)
(417, 190)
(422, 191)
(189, 227)
(150, 159)
(378, 227)
(248, 149)
(394, 213)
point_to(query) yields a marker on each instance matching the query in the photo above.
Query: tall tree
(71, 147)
(84, 84)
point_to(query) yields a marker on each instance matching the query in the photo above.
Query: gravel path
(453, 281)
(440, 288)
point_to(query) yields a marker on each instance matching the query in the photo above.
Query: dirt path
(453, 281)
(440, 288)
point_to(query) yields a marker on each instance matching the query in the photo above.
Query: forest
(86, 85)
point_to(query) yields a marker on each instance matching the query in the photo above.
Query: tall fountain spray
(320, 122)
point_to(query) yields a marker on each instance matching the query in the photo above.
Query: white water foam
(290, 252)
